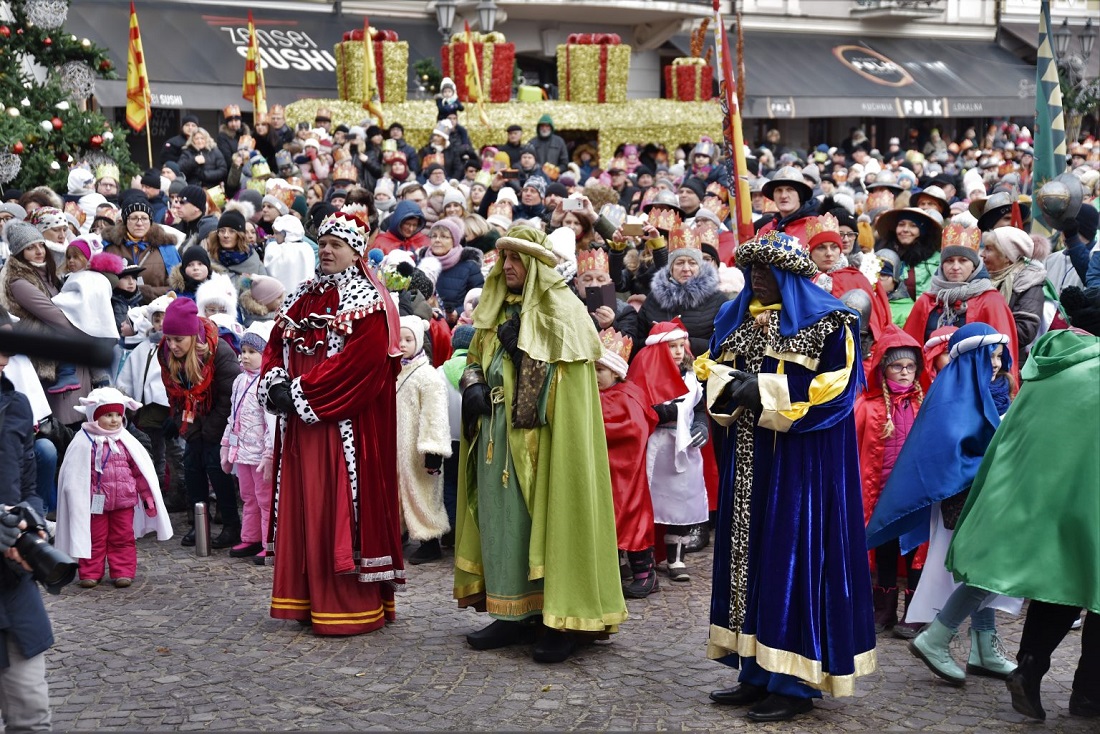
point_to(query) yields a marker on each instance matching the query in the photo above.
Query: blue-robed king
(791, 601)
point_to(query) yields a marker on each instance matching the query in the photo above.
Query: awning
(800, 75)
(195, 55)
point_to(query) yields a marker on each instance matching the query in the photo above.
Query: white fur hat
(507, 194)
(105, 396)
(218, 290)
(418, 327)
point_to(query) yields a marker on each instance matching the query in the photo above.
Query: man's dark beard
(517, 291)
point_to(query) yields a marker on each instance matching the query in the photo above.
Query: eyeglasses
(226, 230)
(322, 119)
(901, 368)
(849, 235)
(137, 218)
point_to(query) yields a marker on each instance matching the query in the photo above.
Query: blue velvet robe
(808, 609)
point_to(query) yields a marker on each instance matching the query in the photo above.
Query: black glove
(278, 397)
(666, 412)
(475, 403)
(700, 432)
(746, 391)
(508, 333)
(432, 462)
(9, 531)
(171, 429)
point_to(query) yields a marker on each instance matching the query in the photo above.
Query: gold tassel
(489, 452)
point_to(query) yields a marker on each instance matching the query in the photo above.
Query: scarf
(1018, 277)
(104, 443)
(229, 258)
(193, 401)
(1001, 397)
(168, 253)
(452, 257)
(409, 360)
(948, 294)
(900, 394)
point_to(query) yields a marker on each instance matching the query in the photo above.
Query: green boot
(933, 646)
(986, 656)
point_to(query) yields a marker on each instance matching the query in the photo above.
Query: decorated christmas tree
(46, 79)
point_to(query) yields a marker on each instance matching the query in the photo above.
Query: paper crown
(956, 235)
(107, 170)
(231, 110)
(820, 230)
(217, 195)
(285, 194)
(716, 189)
(592, 259)
(485, 178)
(616, 342)
(717, 205)
(432, 158)
(277, 109)
(296, 181)
(343, 171)
(614, 212)
(649, 195)
(260, 168)
(684, 236)
(339, 154)
(71, 207)
(551, 171)
(880, 199)
(663, 218)
(706, 232)
(501, 209)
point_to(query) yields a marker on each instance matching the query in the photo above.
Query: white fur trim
(666, 337)
(614, 362)
(974, 342)
(301, 404)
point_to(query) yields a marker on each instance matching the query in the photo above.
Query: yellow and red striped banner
(137, 78)
(253, 88)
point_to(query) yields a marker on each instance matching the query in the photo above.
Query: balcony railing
(911, 9)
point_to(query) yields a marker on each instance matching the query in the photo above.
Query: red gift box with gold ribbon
(593, 67)
(496, 59)
(391, 64)
(689, 79)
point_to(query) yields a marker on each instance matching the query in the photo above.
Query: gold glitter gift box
(593, 67)
(391, 58)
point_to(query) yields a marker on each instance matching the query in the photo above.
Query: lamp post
(1081, 93)
(445, 15)
(487, 15)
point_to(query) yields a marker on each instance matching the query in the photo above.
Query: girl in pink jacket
(248, 445)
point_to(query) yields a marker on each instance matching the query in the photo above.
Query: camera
(50, 566)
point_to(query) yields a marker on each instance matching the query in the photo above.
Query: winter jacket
(122, 302)
(550, 149)
(252, 265)
(455, 282)
(211, 172)
(172, 150)
(454, 161)
(160, 207)
(121, 482)
(22, 614)
(391, 239)
(150, 254)
(140, 375)
(639, 281)
(250, 432)
(229, 140)
(209, 427)
(1026, 303)
(696, 302)
(422, 428)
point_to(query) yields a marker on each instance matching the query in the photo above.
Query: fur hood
(15, 269)
(235, 134)
(673, 296)
(177, 283)
(247, 302)
(156, 236)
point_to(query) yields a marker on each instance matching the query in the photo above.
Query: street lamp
(1080, 94)
(1087, 38)
(1061, 38)
(445, 14)
(487, 15)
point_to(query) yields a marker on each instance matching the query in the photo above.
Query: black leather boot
(1024, 684)
(502, 633)
(228, 537)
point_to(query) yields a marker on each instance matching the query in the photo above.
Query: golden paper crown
(880, 199)
(716, 189)
(432, 158)
(345, 171)
(707, 232)
(71, 207)
(616, 342)
(716, 205)
(682, 236)
(822, 229)
(217, 195)
(593, 259)
(649, 195)
(501, 209)
(956, 235)
(551, 170)
(107, 170)
(663, 218)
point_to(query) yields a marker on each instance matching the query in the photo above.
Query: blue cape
(945, 447)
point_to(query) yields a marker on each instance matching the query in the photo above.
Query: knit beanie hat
(277, 203)
(17, 212)
(1087, 221)
(462, 336)
(194, 195)
(47, 217)
(181, 318)
(1015, 244)
(695, 185)
(81, 181)
(88, 244)
(299, 205)
(538, 183)
(266, 289)
(417, 326)
(896, 354)
(151, 178)
(454, 226)
(193, 253)
(257, 335)
(21, 235)
(454, 196)
(106, 400)
(232, 219)
(693, 253)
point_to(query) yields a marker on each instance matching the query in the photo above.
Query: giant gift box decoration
(391, 66)
(496, 58)
(689, 79)
(593, 67)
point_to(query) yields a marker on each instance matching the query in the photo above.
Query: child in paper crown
(105, 476)
(674, 462)
(628, 420)
(248, 445)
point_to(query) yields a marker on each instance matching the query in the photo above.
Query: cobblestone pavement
(190, 646)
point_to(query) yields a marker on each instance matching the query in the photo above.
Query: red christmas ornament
(96, 141)
(5, 31)
(18, 147)
(18, 31)
(105, 65)
(56, 122)
(48, 41)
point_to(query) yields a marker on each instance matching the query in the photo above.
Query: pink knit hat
(181, 318)
(454, 226)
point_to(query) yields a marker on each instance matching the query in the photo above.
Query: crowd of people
(569, 374)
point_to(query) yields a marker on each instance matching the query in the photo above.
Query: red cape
(628, 421)
(656, 375)
(987, 308)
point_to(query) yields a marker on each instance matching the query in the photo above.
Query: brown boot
(886, 608)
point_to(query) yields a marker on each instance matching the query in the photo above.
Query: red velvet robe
(337, 542)
(988, 308)
(628, 420)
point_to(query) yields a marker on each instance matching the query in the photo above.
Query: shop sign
(873, 66)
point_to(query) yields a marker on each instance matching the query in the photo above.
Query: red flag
(253, 88)
(137, 78)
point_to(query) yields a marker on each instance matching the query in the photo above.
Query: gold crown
(501, 209)
(880, 199)
(107, 170)
(432, 158)
(716, 189)
(648, 197)
(345, 171)
(683, 235)
(818, 225)
(592, 259)
(707, 232)
(217, 195)
(663, 218)
(716, 205)
(616, 342)
(956, 235)
(551, 170)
